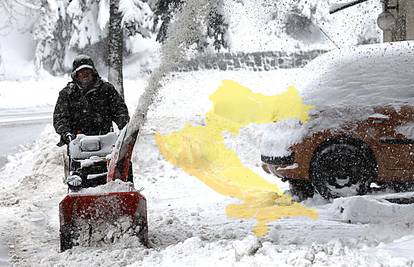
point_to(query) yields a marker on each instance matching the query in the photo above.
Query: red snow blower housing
(106, 213)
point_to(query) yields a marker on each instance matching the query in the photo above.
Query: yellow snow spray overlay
(201, 152)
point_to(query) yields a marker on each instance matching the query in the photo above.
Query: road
(20, 127)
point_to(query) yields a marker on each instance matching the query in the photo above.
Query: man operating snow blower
(83, 117)
(88, 105)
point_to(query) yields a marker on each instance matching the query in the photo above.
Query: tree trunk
(115, 47)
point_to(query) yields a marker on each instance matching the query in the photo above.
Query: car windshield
(368, 75)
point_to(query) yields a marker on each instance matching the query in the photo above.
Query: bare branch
(338, 7)
(6, 7)
(28, 5)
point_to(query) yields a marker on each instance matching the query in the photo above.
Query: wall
(257, 61)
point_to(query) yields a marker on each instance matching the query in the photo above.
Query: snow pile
(374, 209)
(106, 232)
(245, 252)
(42, 158)
(114, 186)
(399, 250)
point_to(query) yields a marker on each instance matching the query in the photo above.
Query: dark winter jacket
(89, 111)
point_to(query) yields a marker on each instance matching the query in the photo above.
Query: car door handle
(378, 118)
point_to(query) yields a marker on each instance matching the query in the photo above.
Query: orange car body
(393, 152)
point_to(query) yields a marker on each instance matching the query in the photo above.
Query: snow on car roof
(365, 75)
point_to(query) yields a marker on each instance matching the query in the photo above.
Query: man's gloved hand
(74, 182)
(67, 137)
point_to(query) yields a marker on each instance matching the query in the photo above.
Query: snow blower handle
(69, 137)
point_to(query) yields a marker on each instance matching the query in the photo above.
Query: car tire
(300, 190)
(341, 170)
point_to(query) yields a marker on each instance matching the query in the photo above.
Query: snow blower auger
(114, 209)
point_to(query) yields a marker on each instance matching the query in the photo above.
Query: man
(88, 105)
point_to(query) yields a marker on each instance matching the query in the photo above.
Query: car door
(394, 131)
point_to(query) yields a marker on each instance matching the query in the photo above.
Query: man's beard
(86, 83)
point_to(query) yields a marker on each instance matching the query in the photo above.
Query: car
(360, 131)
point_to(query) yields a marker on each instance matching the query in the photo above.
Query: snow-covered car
(361, 127)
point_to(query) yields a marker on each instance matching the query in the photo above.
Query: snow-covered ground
(188, 225)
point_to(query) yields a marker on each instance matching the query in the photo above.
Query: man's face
(84, 75)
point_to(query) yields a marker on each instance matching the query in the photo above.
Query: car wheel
(341, 170)
(300, 190)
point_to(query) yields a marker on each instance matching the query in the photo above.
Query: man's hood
(81, 62)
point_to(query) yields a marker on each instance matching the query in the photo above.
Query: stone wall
(256, 61)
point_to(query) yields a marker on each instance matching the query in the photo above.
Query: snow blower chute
(107, 214)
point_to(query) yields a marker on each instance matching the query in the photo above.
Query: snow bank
(244, 252)
(374, 209)
(40, 157)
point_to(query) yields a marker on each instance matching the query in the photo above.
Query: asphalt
(19, 128)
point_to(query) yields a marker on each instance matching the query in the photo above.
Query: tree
(217, 26)
(60, 27)
(115, 47)
(43, 34)
(165, 10)
(204, 17)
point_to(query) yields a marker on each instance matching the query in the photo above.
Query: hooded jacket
(90, 110)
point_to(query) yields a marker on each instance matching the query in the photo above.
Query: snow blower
(103, 214)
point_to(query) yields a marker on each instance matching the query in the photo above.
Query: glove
(67, 137)
(74, 181)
